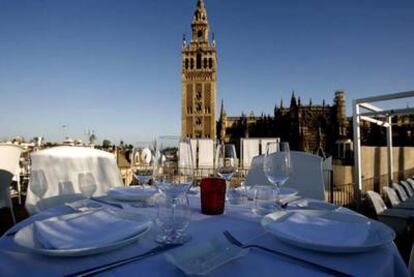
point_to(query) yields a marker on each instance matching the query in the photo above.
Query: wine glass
(277, 165)
(38, 183)
(173, 175)
(144, 155)
(87, 184)
(226, 164)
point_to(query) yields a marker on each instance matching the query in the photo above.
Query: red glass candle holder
(213, 195)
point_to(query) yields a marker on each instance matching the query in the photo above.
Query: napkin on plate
(88, 229)
(322, 230)
(200, 259)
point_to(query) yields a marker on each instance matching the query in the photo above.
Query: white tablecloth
(384, 261)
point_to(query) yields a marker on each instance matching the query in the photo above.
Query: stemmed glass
(173, 175)
(226, 164)
(87, 184)
(277, 166)
(38, 183)
(145, 153)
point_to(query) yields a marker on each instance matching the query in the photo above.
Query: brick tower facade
(199, 76)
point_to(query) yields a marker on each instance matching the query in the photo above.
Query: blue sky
(114, 66)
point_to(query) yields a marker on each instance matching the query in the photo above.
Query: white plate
(311, 205)
(132, 193)
(328, 231)
(25, 238)
(286, 192)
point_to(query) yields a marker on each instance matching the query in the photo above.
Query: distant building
(199, 75)
(307, 127)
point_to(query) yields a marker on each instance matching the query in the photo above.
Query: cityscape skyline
(114, 67)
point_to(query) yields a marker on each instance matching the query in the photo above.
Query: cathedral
(307, 127)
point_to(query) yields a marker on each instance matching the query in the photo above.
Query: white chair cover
(392, 196)
(9, 164)
(206, 153)
(395, 218)
(410, 181)
(376, 202)
(407, 188)
(327, 169)
(264, 143)
(193, 143)
(306, 175)
(250, 149)
(55, 175)
(400, 191)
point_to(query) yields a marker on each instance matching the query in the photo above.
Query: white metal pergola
(380, 117)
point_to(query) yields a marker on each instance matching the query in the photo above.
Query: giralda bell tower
(199, 75)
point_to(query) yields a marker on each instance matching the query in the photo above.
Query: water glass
(237, 196)
(264, 198)
(173, 175)
(173, 218)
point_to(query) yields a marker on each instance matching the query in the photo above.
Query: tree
(92, 138)
(106, 143)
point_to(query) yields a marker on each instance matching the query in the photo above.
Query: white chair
(55, 175)
(249, 149)
(306, 175)
(9, 163)
(407, 188)
(400, 191)
(327, 169)
(398, 219)
(410, 181)
(206, 154)
(394, 201)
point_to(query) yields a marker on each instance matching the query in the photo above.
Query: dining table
(238, 219)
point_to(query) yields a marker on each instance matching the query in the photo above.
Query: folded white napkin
(88, 229)
(322, 230)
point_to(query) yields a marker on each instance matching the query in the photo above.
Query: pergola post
(389, 151)
(357, 153)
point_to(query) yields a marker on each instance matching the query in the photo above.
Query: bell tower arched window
(200, 35)
(198, 60)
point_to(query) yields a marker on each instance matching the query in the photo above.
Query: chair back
(391, 196)
(9, 165)
(206, 153)
(376, 201)
(58, 176)
(410, 181)
(400, 191)
(327, 169)
(408, 190)
(306, 175)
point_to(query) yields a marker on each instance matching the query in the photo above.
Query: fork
(101, 268)
(303, 262)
